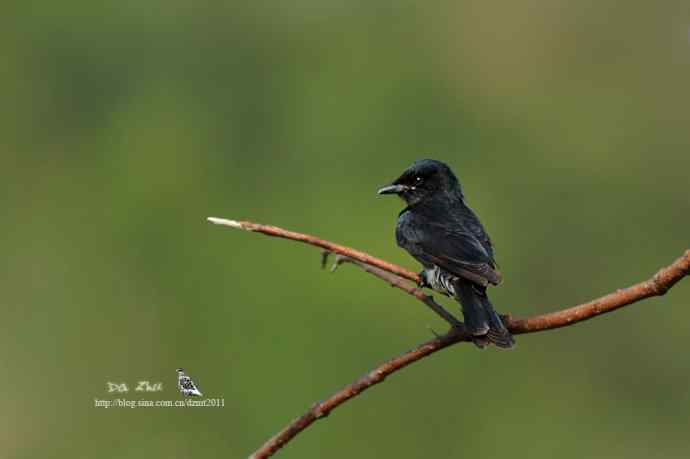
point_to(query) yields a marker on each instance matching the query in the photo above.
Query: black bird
(445, 236)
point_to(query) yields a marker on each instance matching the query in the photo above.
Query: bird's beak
(393, 189)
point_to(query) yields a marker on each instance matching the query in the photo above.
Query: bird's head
(426, 178)
(180, 370)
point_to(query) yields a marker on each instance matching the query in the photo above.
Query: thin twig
(657, 285)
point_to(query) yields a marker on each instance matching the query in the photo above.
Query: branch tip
(324, 258)
(225, 222)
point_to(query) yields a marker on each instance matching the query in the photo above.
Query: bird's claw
(423, 283)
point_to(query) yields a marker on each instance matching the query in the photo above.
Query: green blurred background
(124, 125)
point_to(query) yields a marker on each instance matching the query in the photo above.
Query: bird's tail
(481, 319)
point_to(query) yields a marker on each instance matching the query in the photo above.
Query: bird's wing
(454, 249)
(472, 223)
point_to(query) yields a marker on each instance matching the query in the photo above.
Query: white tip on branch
(225, 222)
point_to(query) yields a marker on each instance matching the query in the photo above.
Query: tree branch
(313, 240)
(657, 285)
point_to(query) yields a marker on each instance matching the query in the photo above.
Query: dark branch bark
(658, 285)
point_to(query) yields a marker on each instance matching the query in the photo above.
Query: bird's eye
(418, 179)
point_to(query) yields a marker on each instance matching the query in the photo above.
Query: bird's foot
(423, 282)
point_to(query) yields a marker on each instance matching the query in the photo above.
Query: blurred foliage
(124, 124)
